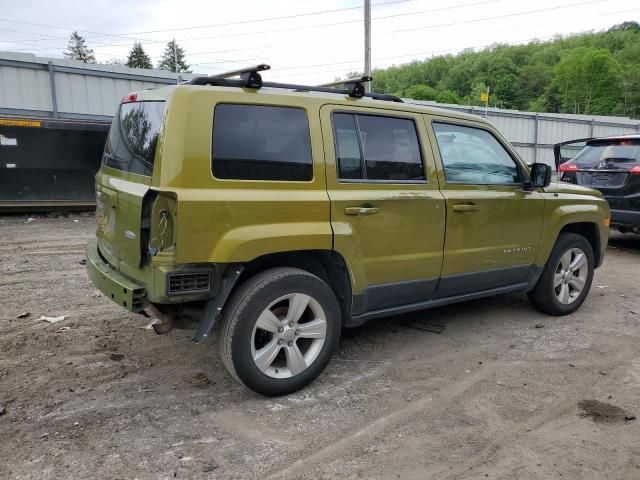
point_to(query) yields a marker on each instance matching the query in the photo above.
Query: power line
(238, 22)
(301, 27)
(458, 23)
(345, 22)
(351, 21)
(283, 17)
(509, 15)
(276, 72)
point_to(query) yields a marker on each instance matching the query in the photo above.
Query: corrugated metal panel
(516, 129)
(81, 89)
(604, 130)
(550, 132)
(526, 153)
(24, 88)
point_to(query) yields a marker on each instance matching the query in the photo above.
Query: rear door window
(618, 154)
(377, 148)
(133, 138)
(257, 142)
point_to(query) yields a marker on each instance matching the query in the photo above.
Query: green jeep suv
(273, 215)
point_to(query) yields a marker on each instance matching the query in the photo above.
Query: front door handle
(361, 210)
(466, 207)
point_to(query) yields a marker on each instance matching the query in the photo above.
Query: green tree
(447, 96)
(77, 49)
(173, 58)
(587, 80)
(138, 58)
(593, 73)
(420, 92)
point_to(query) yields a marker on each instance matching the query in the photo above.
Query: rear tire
(566, 278)
(279, 330)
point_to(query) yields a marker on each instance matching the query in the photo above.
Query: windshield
(608, 153)
(132, 141)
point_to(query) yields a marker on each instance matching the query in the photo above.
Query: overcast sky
(304, 41)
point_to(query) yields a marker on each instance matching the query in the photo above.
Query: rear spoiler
(557, 154)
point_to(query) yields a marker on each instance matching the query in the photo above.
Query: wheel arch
(328, 265)
(588, 230)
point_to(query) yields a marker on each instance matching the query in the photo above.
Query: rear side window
(256, 142)
(133, 138)
(373, 147)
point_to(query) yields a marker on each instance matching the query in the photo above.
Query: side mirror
(540, 175)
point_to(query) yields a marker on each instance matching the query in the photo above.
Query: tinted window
(473, 155)
(132, 141)
(370, 147)
(609, 154)
(253, 142)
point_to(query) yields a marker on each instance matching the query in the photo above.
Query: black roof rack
(251, 78)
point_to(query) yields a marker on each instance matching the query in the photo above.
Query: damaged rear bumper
(112, 283)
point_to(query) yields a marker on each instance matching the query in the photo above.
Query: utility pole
(367, 42)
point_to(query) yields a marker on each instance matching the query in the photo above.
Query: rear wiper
(620, 159)
(114, 158)
(144, 161)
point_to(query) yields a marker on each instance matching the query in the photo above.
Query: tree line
(594, 73)
(173, 57)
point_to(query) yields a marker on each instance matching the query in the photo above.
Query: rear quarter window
(133, 138)
(258, 142)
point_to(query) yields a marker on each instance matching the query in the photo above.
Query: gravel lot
(504, 392)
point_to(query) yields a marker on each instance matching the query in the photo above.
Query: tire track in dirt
(384, 423)
(565, 404)
(15, 278)
(501, 437)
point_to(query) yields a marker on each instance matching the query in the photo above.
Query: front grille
(181, 283)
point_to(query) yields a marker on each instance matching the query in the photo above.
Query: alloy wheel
(288, 335)
(571, 275)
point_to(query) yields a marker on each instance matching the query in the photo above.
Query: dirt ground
(504, 392)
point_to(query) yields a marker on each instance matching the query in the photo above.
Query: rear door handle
(361, 210)
(466, 207)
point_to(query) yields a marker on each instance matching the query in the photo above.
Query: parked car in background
(611, 165)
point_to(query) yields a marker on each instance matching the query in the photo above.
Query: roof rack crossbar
(249, 75)
(250, 78)
(353, 85)
(235, 73)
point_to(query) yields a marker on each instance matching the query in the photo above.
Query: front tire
(279, 330)
(566, 278)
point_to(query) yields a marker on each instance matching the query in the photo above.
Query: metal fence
(534, 134)
(58, 88)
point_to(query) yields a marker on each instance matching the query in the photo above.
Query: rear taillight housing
(635, 170)
(568, 167)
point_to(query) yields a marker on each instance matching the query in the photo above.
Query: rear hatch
(609, 165)
(125, 178)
